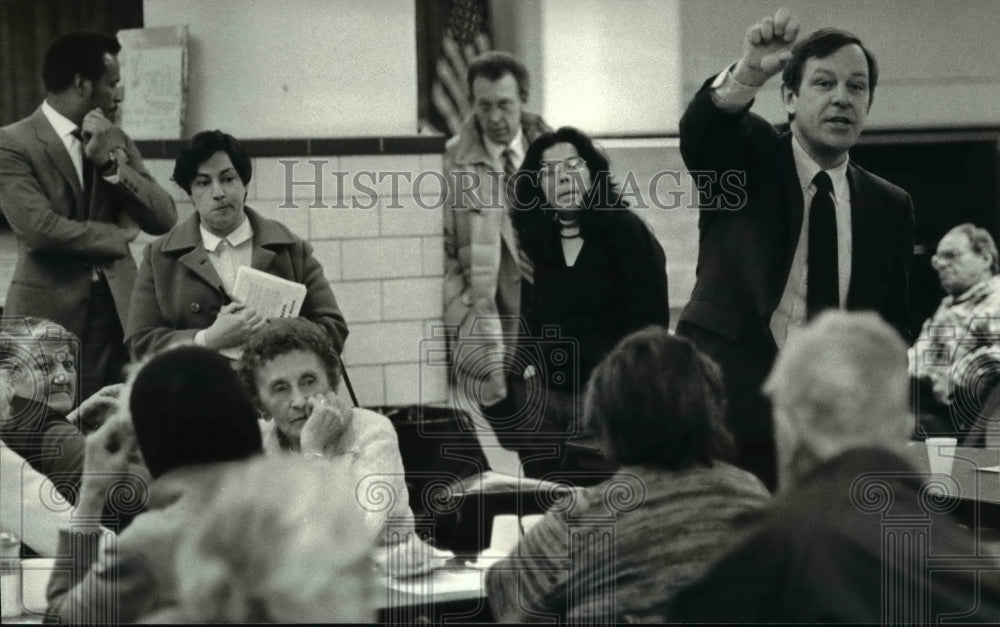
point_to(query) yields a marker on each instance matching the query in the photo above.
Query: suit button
(195, 307)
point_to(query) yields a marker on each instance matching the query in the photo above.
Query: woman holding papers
(206, 281)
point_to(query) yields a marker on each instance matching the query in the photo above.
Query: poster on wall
(155, 81)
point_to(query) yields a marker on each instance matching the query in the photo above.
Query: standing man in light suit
(75, 191)
(813, 230)
(487, 277)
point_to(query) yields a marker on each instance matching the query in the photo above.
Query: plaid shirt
(960, 342)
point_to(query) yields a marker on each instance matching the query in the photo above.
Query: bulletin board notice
(154, 78)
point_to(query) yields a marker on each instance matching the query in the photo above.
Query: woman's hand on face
(232, 326)
(328, 419)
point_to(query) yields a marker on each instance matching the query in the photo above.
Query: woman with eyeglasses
(599, 274)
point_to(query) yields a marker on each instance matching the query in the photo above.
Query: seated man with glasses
(955, 361)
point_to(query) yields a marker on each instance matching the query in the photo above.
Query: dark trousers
(521, 427)
(543, 425)
(103, 354)
(745, 367)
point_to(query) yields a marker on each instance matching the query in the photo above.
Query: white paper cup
(941, 454)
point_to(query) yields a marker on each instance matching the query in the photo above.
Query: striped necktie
(523, 261)
(88, 170)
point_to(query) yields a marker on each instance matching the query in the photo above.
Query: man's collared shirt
(516, 146)
(790, 315)
(64, 128)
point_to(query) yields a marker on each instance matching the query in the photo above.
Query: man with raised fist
(814, 230)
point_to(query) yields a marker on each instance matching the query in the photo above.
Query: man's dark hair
(819, 45)
(656, 400)
(282, 336)
(76, 53)
(188, 407)
(494, 65)
(202, 147)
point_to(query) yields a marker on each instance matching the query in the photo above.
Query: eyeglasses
(571, 164)
(946, 256)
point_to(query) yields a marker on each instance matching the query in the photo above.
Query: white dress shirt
(790, 315)
(516, 146)
(64, 129)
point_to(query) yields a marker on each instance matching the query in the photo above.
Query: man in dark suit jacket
(75, 191)
(757, 277)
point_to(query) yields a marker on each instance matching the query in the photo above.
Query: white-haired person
(838, 544)
(289, 549)
(292, 370)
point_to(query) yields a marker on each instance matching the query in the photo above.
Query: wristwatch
(110, 166)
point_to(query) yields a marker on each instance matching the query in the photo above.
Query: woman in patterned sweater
(616, 551)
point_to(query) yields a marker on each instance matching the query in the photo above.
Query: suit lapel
(863, 244)
(796, 208)
(56, 152)
(260, 257)
(196, 260)
(187, 238)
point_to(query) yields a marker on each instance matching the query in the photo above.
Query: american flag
(466, 35)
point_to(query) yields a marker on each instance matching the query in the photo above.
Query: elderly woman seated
(290, 550)
(613, 552)
(291, 368)
(186, 287)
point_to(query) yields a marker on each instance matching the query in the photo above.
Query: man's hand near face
(100, 137)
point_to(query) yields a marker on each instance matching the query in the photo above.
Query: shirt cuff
(199, 338)
(729, 94)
